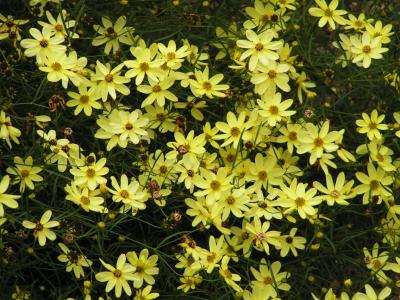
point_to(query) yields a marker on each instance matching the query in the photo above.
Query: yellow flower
(270, 76)
(109, 81)
(376, 183)
(328, 14)
(371, 125)
(6, 199)
(228, 276)
(337, 192)
(235, 130)
(112, 34)
(25, 172)
(146, 294)
(261, 236)
(190, 145)
(265, 172)
(371, 294)
(260, 48)
(43, 45)
(378, 30)
(189, 282)
(9, 27)
(290, 135)
(143, 65)
(128, 192)
(85, 100)
(42, 228)
(357, 23)
(87, 199)
(296, 198)
(90, 175)
(145, 267)
(273, 109)
(171, 56)
(203, 85)
(291, 242)
(8, 131)
(75, 260)
(377, 263)
(117, 277)
(366, 48)
(157, 91)
(60, 27)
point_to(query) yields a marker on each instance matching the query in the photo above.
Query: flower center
(190, 173)
(56, 66)
(59, 27)
(230, 200)
(318, 142)
(272, 74)
(374, 184)
(274, 110)
(156, 89)
(144, 66)
(84, 99)
(207, 85)
(377, 264)
(44, 43)
(235, 131)
(24, 173)
(328, 13)
(335, 194)
(171, 55)
(262, 175)
(124, 194)
(108, 78)
(259, 46)
(90, 173)
(372, 125)
(268, 280)
(366, 49)
(300, 202)
(289, 239)
(128, 126)
(85, 200)
(215, 185)
(292, 136)
(117, 273)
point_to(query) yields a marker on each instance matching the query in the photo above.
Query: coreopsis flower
(296, 198)
(190, 145)
(371, 125)
(146, 267)
(357, 23)
(234, 202)
(112, 34)
(229, 277)
(60, 27)
(26, 174)
(59, 66)
(129, 126)
(143, 65)
(85, 100)
(370, 294)
(213, 185)
(366, 48)
(269, 278)
(263, 15)
(337, 192)
(6, 199)
(7, 131)
(260, 48)
(89, 200)
(269, 77)
(145, 294)
(41, 229)
(378, 30)
(172, 56)
(109, 81)
(316, 141)
(9, 27)
(303, 86)
(90, 175)
(377, 262)
(234, 130)
(187, 170)
(189, 282)
(328, 14)
(160, 118)
(158, 92)
(117, 277)
(193, 106)
(290, 135)
(43, 44)
(261, 236)
(75, 260)
(203, 85)
(128, 192)
(376, 183)
(274, 109)
(291, 242)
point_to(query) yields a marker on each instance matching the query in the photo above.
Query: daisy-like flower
(9, 27)
(190, 145)
(193, 106)
(91, 175)
(337, 192)
(270, 76)
(117, 277)
(229, 277)
(370, 294)
(366, 48)
(296, 198)
(7, 131)
(157, 91)
(43, 44)
(357, 23)
(85, 100)
(171, 56)
(87, 199)
(145, 294)
(112, 34)
(213, 185)
(60, 27)
(26, 174)
(145, 267)
(143, 65)
(259, 48)
(203, 85)
(291, 242)
(290, 136)
(188, 172)
(265, 172)
(315, 141)
(129, 126)
(41, 229)
(377, 263)
(75, 261)
(274, 109)
(270, 279)
(376, 183)
(211, 258)
(109, 81)
(6, 199)
(371, 125)
(261, 236)
(234, 202)
(378, 30)
(128, 192)
(328, 14)
(189, 282)
(160, 118)
(234, 130)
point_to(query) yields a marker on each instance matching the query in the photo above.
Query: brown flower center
(124, 194)
(207, 85)
(215, 185)
(262, 175)
(44, 43)
(128, 126)
(300, 202)
(117, 273)
(235, 131)
(274, 110)
(59, 27)
(374, 184)
(318, 142)
(272, 74)
(366, 49)
(259, 46)
(56, 66)
(24, 173)
(85, 200)
(108, 78)
(144, 66)
(84, 99)
(90, 173)
(156, 89)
